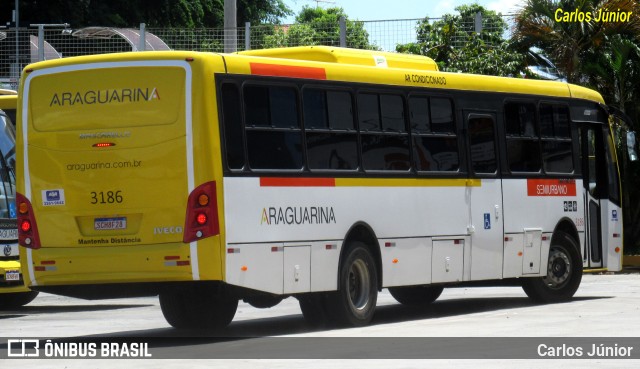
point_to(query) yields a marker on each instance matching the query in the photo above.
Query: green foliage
(155, 13)
(261, 11)
(615, 71)
(453, 43)
(317, 26)
(571, 45)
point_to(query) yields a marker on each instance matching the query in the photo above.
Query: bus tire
(197, 308)
(564, 272)
(314, 309)
(416, 295)
(16, 300)
(263, 301)
(355, 301)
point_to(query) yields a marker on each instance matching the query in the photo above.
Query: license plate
(9, 234)
(108, 224)
(12, 275)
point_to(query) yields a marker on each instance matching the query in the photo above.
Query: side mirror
(631, 146)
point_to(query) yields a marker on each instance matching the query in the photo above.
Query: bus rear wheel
(416, 295)
(314, 309)
(564, 273)
(198, 307)
(355, 301)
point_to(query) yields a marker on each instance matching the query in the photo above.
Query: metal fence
(43, 42)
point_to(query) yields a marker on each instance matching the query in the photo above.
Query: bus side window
(383, 133)
(442, 115)
(435, 145)
(332, 142)
(482, 145)
(419, 114)
(274, 137)
(523, 142)
(557, 148)
(368, 112)
(232, 123)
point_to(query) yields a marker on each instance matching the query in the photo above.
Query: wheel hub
(358, 285)
(559, 269)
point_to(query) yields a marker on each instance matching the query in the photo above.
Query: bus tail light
(202, 213)
(27, 228)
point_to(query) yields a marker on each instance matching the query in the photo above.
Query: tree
(569, 43)
(454, 44)
(615, 71)
(317, 26)
(155, 13)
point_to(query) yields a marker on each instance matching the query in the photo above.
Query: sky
(366, 10)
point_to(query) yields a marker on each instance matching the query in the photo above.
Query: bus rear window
(107, 98)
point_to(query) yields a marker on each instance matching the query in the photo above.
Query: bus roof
(342, 55)
(400, 69)
(349, 65)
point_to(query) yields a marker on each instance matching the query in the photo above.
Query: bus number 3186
(108, 197)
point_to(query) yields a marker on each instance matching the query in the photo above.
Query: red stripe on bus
(551, 187)
(297, 182)
(287, 71)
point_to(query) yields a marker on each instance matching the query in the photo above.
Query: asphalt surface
(467, 327)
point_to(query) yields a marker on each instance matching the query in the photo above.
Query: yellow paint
(84, 99)
(8, 102)
(341, 55)
(595, 270)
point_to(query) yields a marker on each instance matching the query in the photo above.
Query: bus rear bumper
(66, 266)
(120, 290)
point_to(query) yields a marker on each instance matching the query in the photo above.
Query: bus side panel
(545, 202)
(261, 215)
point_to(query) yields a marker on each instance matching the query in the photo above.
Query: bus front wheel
(564, 273)
(197, 308)
(355, 301)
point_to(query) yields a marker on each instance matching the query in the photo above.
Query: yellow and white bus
(322, 173)
(13, 292)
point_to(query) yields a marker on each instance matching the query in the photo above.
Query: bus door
(484, 196)
(603, 215)
(594, 182)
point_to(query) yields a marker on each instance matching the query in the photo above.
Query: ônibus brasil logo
(107, 96)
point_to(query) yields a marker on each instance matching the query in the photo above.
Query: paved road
(605, 306)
